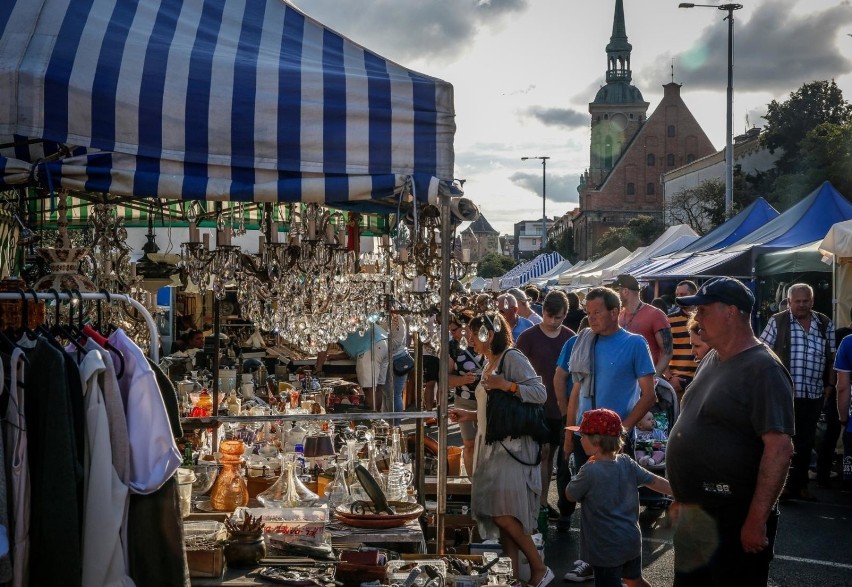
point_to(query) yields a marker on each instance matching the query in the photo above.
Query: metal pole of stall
(419, 428)
(443, 372)
(215, 368)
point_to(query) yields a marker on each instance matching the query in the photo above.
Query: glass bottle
(230, 490)
(373, 467)
(399, 476)
(337, 492)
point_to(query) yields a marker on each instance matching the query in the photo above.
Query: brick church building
(630, 151)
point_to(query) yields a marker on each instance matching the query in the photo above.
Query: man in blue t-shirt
(619, 377)
(843, 366)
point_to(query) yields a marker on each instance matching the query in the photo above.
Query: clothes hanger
(25, 317)
(99, 338)
(57, 330)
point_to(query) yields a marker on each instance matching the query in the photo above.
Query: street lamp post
(729, 146)
(543, 196)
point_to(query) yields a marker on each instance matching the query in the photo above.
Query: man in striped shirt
(682, 365)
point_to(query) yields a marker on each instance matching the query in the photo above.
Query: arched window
(651, 160)
(670, 159)
(690, 158)
(649, 190)
(608, 153)
(631, 188)
(670, 130)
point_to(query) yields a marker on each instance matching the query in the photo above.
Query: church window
(690, 158)
(631, 188)
(649, 190)
(670, 161)
(608, 153)
(670, 131)
(651, 160)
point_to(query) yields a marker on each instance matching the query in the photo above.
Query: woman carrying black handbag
(506, 479)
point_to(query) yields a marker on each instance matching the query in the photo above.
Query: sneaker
(581, 572)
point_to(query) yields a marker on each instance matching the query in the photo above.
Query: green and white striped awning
(135, 212)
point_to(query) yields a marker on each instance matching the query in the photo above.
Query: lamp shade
(318, 445)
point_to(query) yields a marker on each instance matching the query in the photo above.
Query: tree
(701, 207)
(494, 265)
(564, 245)
(827, 155)
(639, 231)
(787, 123)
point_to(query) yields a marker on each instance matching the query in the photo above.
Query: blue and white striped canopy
(242, 100)
(522, 274)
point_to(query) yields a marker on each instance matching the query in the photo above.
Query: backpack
(782, 340)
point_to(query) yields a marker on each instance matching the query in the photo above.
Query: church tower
(618, 109)
(630, 150)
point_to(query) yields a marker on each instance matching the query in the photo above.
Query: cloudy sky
(524, 72)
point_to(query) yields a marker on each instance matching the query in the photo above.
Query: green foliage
(789, 122)
(564, 245)
(494, 265)
(638, 232)
(826, 154)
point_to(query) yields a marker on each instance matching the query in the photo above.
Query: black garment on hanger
(55, 525)
(167, 390)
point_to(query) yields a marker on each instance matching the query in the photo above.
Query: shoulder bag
(508, 416)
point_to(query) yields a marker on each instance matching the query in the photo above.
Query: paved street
(814, 545)
(813, 549)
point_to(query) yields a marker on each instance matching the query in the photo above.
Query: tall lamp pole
(729, 130)
(543, 197)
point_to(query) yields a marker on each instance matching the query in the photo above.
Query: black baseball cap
(726, 290)
(626, 280)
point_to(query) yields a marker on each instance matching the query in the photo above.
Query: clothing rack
(154, 348)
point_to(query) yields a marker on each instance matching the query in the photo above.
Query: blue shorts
(612, 576)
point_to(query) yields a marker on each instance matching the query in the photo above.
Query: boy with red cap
(608, 487)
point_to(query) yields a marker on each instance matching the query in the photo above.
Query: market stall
(253, 104)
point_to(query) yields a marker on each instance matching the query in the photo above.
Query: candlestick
(193, 232)
(465, 255)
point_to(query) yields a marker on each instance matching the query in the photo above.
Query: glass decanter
(230, 490)
(283, 493)
(337, 492)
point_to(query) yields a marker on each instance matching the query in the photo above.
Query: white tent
(552, 276)
(672, 240)
(837, 245)
(591, 274)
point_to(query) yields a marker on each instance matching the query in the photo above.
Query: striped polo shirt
(683, 362)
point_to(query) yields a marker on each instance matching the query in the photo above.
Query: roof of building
(481, 225)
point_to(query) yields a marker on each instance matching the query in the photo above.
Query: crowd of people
(592, 378)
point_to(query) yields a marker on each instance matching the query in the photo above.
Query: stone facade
(629, 153)
(480, 238)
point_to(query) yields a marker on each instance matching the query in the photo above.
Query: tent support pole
(443, 373)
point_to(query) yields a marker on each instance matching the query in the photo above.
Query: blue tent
(745, 222)
(807, 221)
(215, 100)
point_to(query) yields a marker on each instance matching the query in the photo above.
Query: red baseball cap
(601, 421)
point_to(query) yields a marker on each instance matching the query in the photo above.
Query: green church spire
(618, 50)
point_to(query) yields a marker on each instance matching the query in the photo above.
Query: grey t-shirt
(715, 447)
(609, 494)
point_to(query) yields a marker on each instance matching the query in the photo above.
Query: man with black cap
(729, 450)
(640, 318)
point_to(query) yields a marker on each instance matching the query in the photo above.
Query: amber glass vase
(230, 490)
